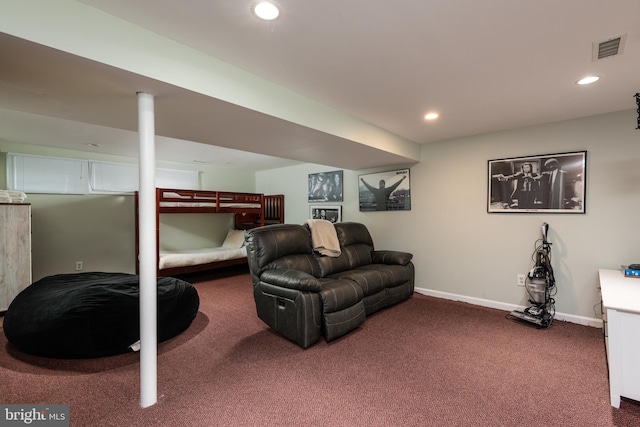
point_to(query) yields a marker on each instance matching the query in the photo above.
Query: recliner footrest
(342, 307)
(341, 322)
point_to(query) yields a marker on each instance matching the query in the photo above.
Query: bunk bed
(250, 210)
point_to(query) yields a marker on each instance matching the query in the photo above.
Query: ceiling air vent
(610, 47)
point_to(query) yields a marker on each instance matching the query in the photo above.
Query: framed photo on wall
(330, 213)
(325, 186)
(550, 183)
(385, 191)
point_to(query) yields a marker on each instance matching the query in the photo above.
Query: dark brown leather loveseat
(305, 296)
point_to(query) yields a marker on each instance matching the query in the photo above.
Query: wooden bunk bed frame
(250, 210)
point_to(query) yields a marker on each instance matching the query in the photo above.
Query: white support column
(148, 261)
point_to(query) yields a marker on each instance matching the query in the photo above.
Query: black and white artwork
(552, 183)
(385, 191)
(330, 213)
(325, 186)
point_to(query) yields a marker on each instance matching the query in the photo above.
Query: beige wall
(462, 252)
(95, 229)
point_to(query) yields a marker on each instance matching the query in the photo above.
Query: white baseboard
(596, 323)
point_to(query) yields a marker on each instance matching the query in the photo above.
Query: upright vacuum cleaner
(540, 285)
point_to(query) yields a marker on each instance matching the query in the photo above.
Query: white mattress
(187, 203)
(227, 205)
(170, 259)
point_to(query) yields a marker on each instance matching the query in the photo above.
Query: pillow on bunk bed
(234, 239)
(84, 315)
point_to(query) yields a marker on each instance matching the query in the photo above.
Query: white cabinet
(621, 303)
(15, 250)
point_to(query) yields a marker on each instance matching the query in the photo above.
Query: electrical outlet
(78, 265)
(521, 279)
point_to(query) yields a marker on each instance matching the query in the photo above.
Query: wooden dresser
(15, 251)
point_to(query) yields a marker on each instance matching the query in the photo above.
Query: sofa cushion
(339, 294)
(331, 265)
(280, 246)
(358, 254)
(351, 257)
(393, 275)
(373, 278)
(356, 243)
(350, 233)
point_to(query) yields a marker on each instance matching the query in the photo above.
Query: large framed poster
(550, 183)
(385, 191)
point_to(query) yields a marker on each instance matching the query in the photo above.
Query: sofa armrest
(391, 257)
(291, 279)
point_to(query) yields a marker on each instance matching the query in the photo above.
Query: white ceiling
(483, 65)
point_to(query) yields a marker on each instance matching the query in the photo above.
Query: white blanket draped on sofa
(324, 237)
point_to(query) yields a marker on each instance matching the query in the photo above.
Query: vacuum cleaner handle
(545, 230)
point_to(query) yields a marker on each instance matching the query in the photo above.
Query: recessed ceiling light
(266, 10)
(94, 145)
(588, 80)
(431, 116)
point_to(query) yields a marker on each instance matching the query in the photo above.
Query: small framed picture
(385, 191)
(325, 186)
(551, 183)
(330, 213)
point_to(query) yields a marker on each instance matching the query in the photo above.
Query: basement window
(56, 175)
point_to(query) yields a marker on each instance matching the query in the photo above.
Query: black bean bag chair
(86, 315)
